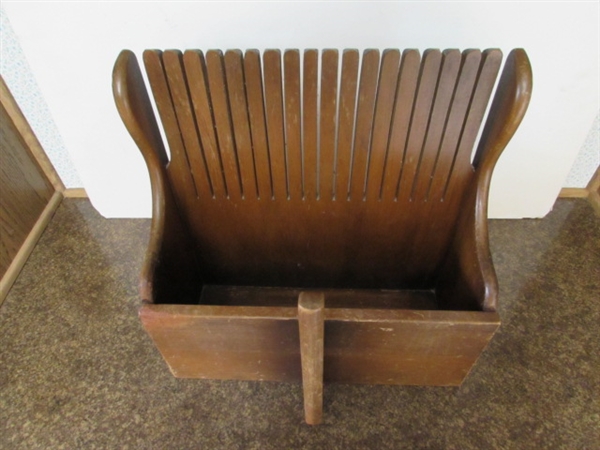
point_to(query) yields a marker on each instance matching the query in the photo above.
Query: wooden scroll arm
(169, 262)
(470, 261)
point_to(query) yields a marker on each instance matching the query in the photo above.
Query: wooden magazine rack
(321, 217)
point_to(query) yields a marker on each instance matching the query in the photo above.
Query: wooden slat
(309, 121)
(403, 107)
(172, 60)
(435, 129)
(492, 59)
(293, 128)
(195, 69)
(258, 126)
(328, 120)
(471, 60)
(312, 329)
(179, 169)
(419, 121)
(221, 111)
(386, 91)
(364, 122)
(346, 114)
(234, 70)
(274, 115)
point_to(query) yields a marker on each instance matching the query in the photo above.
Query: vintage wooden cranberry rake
(321, 218)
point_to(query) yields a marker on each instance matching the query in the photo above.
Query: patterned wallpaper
(17, 75)
(588, 159)
(21, 82)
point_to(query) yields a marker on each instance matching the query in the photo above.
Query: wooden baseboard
(75, 193)
(573, 193)
(21, 257)
(594, 190)
(591, 192)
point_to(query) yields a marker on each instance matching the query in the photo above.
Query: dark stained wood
(169, 266)
(454, 129)
(293, 118)
(361, 189)
(409, 126)
(403, 107)
(274, 115)
(311, 324)
(364, 122)
(195, 70)
(226, 295)
(328, 122)
(24, 191)
(258, 126)
(179, 169)
(347, 108)
(221, 109)
(436, 127)
(485, 83)
(386, 90)
(234, 69)
(426, 90)
(430, 348)
(426, 348)
(220, 342)
(468, 272)
(310, 117)
(172, 60)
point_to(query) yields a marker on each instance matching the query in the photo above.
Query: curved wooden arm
(169, 255)
(469, 263)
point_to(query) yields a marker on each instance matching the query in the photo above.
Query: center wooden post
(311, 322)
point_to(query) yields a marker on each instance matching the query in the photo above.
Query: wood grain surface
(24, 190)
(282, 179)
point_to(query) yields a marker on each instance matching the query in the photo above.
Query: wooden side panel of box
(435, 348)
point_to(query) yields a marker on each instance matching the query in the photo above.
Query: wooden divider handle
(311, 321)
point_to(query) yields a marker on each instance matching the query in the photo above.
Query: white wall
(588, 159)
(24, 88)
(71, 48)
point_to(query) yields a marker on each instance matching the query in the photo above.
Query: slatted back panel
(321, 168)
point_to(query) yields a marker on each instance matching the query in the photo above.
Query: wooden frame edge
(593, 188)
(28, 245)
(31, 141)
(573, 193)
(75, 193)
(591, 192)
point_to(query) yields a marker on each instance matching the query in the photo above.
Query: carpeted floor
(77, 371)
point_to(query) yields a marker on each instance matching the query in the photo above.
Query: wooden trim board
(19, 260)
(591, 192)
(75, 193)
(573, 193)
(594, 191)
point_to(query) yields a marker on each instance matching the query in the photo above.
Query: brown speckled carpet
(77, 371)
